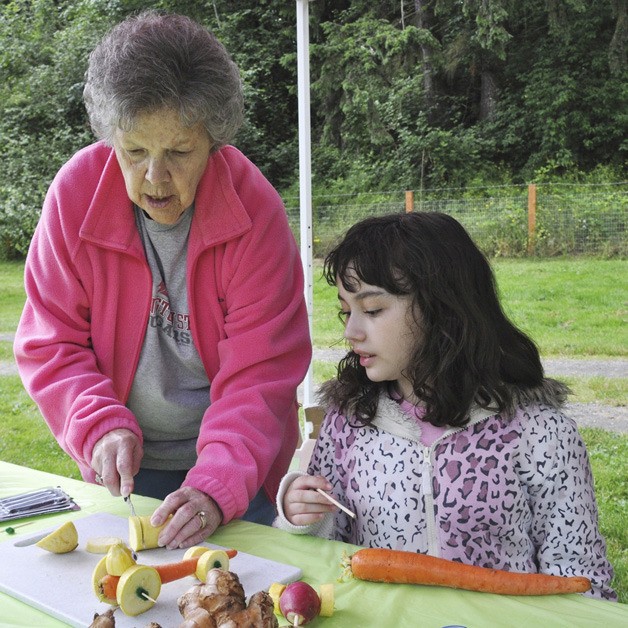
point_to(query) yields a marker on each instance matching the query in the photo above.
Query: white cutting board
(61, 584)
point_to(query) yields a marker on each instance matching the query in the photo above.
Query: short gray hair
(155, 60)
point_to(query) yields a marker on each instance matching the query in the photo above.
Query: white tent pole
(305, 172)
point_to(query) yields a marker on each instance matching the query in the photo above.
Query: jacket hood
(550, 392)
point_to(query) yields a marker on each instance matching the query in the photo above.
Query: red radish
(299, 603)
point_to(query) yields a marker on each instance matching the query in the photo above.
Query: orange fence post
(531, 217)
(409, 201)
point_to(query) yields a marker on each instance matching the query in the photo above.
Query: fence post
(531, 217)
(409, 201)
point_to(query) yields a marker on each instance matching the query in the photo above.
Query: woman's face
(162, 162)
(381, 329)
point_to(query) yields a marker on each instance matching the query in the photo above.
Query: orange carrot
(108, 585)
(175, 571)
(385, 565)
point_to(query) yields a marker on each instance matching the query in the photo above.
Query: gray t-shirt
(170, 390)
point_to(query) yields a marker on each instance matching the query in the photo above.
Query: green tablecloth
(358, 604)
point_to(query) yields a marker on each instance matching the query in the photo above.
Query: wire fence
(508, 221)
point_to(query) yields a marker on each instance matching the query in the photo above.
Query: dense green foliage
(405, 95)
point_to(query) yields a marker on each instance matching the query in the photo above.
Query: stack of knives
(40, 502)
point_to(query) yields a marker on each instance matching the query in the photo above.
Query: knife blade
(31, 540)
(127, 499)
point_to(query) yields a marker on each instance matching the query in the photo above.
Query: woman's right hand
(116, 459)
(302, 504)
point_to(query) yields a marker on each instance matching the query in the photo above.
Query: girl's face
(382, 330)
(162, 162)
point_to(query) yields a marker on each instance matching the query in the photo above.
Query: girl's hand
(302, 505)
(195, 516)
(116, 460)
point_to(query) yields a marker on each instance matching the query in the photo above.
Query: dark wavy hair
(469, 351)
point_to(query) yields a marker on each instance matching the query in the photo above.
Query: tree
(405, 93)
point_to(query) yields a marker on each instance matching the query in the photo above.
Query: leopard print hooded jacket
(506, 493)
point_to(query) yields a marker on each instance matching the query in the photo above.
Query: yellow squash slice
(61, 541)
(138, 589)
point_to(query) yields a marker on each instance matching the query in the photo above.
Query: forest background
(420, 94)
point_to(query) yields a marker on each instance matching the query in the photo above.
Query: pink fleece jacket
(88, 290)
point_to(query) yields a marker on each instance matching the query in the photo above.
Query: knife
(32, 540)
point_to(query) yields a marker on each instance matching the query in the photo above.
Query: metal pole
(305, 172)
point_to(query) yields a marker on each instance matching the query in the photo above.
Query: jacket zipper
(433, 544)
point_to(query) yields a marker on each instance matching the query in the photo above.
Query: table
(358, 604)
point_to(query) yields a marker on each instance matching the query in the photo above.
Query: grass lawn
(570, 307)
(24, 437)
(609, 453)
(11, 294)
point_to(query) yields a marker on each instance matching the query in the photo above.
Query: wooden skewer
(148, 597)
(11, 529)
(333, 501)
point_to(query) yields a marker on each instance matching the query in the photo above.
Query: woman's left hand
(195, 516)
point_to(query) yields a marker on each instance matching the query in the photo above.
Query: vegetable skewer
(168, 572)
(386, 565)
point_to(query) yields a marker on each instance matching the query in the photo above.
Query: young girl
(441, 433)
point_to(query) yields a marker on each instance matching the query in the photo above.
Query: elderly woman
(165, 331)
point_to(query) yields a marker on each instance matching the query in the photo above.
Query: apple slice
(64, 539)
(100, 571)
(213, 559)
(138, 589)
(118, 559)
